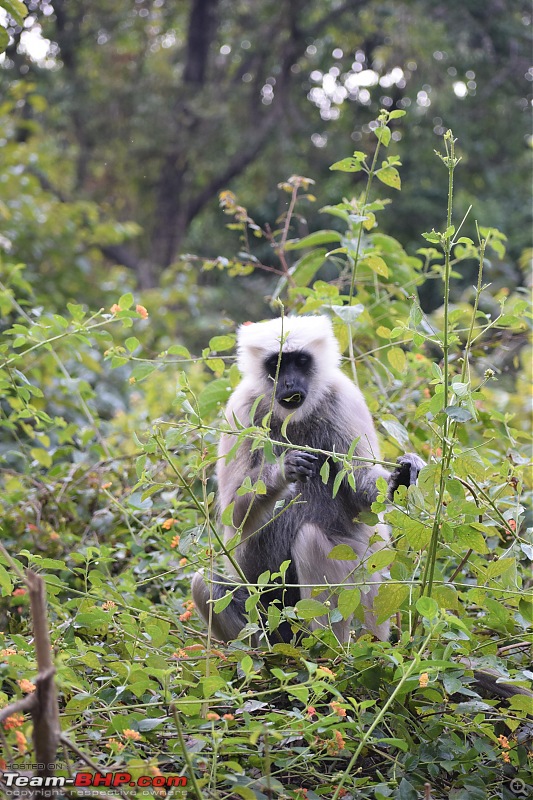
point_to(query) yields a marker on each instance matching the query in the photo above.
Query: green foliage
(108, 435)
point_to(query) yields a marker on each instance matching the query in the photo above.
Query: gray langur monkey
(297, 360)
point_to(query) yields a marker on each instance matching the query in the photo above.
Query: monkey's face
(292, 377)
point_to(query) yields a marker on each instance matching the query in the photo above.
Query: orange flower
(8, 651)
(423, 680)
(168, 523)
(19, 592)
(182, 562)
(212, 715)
(325, 671)
(337, 708)
(336, 744)
(228, 717)
(109, 605)
(115, 308)
(22, 744)
(185, 616)
(14, 721)
(115, 745)
(26, 686)
(175, 542)
(134, 736)
(54, 536)
(311, 711)
(142, 311)
(107, 485)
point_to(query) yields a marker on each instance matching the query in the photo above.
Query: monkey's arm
(279, 481)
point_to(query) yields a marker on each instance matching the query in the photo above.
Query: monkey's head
(295, 357)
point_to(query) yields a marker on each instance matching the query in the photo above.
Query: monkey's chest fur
(315, 503)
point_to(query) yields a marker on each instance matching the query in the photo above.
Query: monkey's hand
(406, 473)
(299, 467)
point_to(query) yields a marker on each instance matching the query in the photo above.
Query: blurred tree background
(122, 122)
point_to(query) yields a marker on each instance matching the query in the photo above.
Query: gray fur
(330, 418)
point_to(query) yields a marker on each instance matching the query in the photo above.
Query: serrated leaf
(390, 177)
(379, 560)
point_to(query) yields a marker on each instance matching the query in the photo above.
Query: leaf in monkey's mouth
(293, 400)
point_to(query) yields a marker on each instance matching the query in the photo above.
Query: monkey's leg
(229, 623)
(310, 554)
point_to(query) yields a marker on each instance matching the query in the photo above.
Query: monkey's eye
(303, 360)
(271, 365)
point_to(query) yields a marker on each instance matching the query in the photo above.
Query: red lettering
(144, 780)
(159, 780)
(121, 777)
(101, 779)
(83, 779)
(176, 780)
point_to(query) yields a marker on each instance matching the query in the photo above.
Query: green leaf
(310, 609)
(342, 552)
(379, 560)
(377, 265)
(142, 371)
(132, 343)
(401, 744)
(348, 314)
(6, 584)
(178, 350)
(213, 396)
(390, 177)
(15, 9)
(4, 42)
(389, 598)
(305, 269)
(42, 457)
(396, 114)
(397, 360)
(427, 607)
(468, 538)
(347, 165)
(126, 301)
(223, 602)
(383, 134)
(318, 237)
(222, 343)
(348, 601)
(458, 413)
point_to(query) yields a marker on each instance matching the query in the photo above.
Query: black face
(294, 374)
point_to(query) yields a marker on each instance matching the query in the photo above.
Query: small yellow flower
(134, 736)
(423, 680)
(26, 686)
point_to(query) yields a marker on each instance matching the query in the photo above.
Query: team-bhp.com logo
(93, 779)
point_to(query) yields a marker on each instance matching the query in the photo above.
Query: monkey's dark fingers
(300, 466)
(408, 468)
